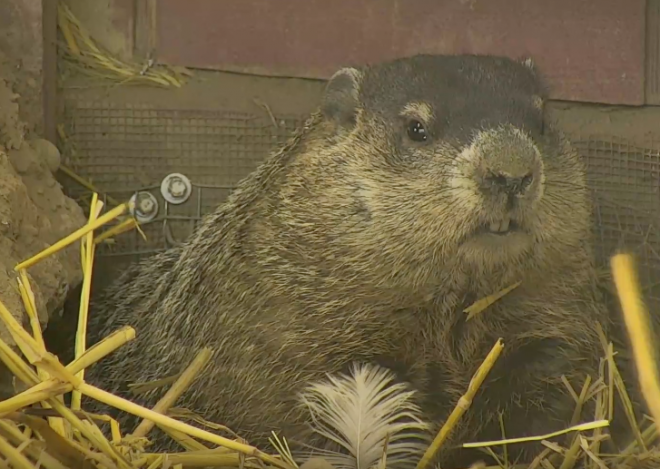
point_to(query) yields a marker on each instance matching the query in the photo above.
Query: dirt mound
(34, 213)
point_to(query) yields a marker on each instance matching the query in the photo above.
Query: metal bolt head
(145, 204)
(177, 187)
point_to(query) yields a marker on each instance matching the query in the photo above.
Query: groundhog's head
(449, 158)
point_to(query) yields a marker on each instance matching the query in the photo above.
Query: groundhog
(419, 186)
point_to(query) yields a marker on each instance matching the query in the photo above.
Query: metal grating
(127, 148)
(625, 180)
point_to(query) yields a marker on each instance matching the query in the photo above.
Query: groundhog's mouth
(500, 227)
(504, 236)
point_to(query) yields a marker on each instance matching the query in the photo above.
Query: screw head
(145, 203)
(177, 187)
(146, 206)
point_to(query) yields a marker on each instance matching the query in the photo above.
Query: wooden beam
(592, 51)
(652, 61)
(145, 29)
(49, 69)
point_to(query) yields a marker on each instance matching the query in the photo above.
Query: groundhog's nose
(504, 183)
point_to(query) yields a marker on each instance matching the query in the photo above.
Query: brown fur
(353, 243)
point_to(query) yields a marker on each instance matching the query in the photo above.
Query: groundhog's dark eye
(416, 131)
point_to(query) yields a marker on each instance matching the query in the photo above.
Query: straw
(639, 328)
(463, 404)
(575, 428)
(178, 388)
(88, 262)
(131, 408)
(83, 52)
(25, 374)
(122, 227)
(73, 237)
(27, 295)
(14, 436)
(46, 360)
(84, 182)
(14, 456)
(481, 305)
(91, 356)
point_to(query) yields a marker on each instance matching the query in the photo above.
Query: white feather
(357, 413)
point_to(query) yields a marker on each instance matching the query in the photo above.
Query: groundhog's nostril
(508, 184)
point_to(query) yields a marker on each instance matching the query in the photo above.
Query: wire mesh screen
(127, 148)
(625, 180)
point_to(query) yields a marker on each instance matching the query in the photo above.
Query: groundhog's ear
(340, 99)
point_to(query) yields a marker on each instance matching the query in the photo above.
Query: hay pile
(37, 429)
(83, 54)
